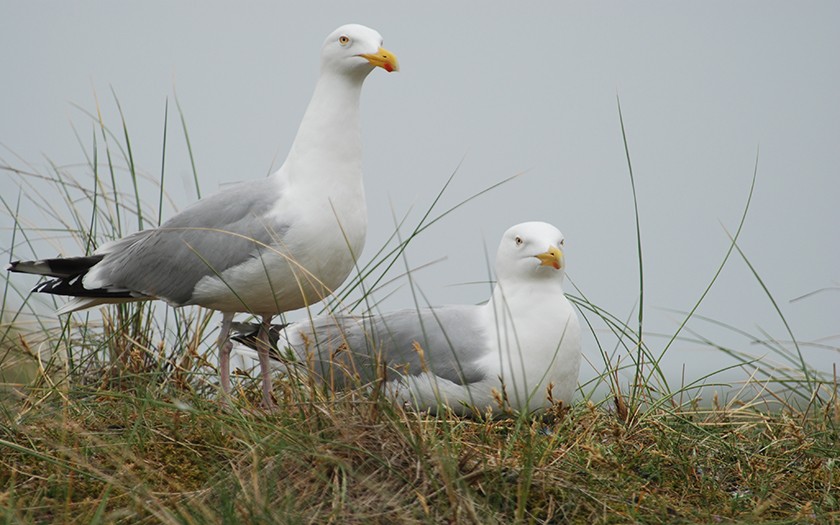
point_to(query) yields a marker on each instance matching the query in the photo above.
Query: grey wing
(211, 236)
(447, 341)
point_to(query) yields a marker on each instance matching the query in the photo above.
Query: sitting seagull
(523, 345)
(265, 246)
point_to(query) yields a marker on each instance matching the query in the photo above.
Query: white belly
(310, 262)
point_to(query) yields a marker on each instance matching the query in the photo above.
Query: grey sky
(507, 88)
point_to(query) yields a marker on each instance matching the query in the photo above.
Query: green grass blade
(805, 369)
(637, 380)
(189, 147)
(132, 169)
(163, 162)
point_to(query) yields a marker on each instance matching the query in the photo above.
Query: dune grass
(137, 455)
(117, 455)
(112, 418)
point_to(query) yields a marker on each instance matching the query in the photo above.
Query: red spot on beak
(388, 67)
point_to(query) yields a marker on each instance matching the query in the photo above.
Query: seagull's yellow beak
(384, 59)
(552, 257)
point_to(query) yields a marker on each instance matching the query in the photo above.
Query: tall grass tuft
(111, 416)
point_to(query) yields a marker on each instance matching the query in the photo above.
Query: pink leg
(263, 346)
(225, 346)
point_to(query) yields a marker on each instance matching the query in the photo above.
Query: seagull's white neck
(519, 308)
(536, 335)
(523, 294)
(329, 138)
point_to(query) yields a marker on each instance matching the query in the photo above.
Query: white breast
(311, 260)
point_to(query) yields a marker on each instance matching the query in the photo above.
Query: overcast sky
(705, 89)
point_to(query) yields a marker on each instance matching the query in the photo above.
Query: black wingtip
(74, 287)
(63, 268)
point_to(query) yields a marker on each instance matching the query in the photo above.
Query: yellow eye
(344, 40)
(518, 241)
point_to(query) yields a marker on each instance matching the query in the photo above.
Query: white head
(531, 250)
(356, 49)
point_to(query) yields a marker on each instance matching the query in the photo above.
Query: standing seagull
(263, 247)
(522, 342)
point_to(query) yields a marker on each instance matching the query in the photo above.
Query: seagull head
(356, 50)
(531, 250)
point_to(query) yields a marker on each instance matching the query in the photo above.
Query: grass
(115, 420)
(128, 456)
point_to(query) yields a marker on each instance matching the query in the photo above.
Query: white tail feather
(83, 303)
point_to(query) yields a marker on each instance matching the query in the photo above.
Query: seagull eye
(344, 40)
(562, 241)
(518, 241)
